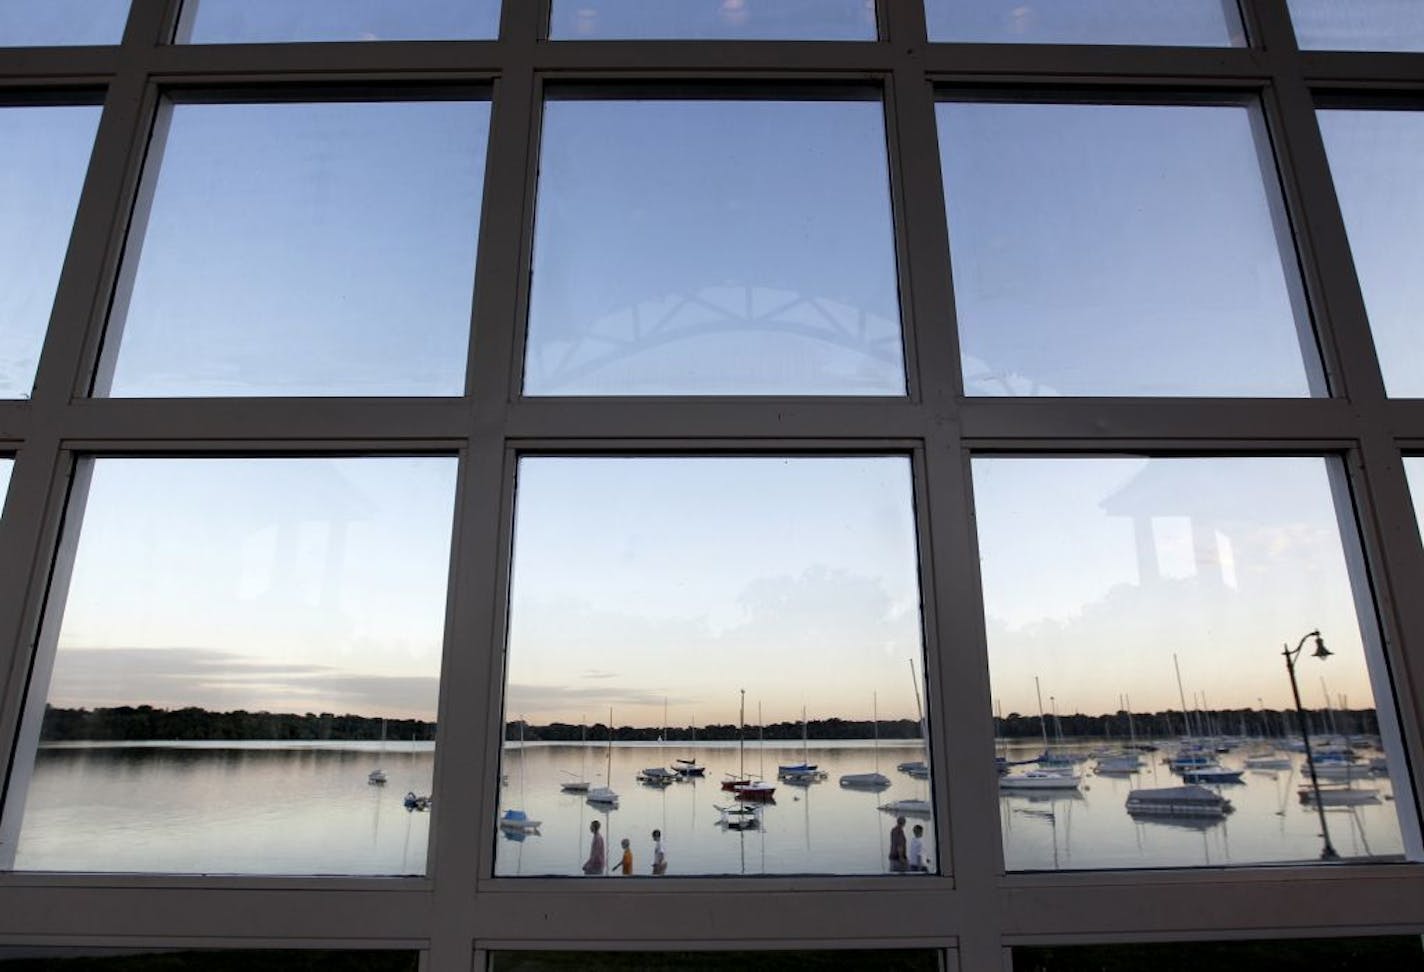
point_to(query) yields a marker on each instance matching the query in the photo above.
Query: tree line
(143, 722)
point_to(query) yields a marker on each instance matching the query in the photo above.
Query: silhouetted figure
(899, 859)
(659, 853)
(597, 857)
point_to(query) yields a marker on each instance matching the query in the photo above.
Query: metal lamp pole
(1328, 854)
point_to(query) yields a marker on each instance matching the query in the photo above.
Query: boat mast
(1131, 730)
(742, 738)
(1042, 725)
(608, 773)
(1182, 696)
(875, 726)
(919, 710)
(761, 744)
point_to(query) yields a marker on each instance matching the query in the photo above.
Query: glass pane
(1377, 158)
(45, 23)
(303, 249)
(713, 20)
(1316, 954)
(715, 248)
(1121, 250)
(1359, 25)
(18, 958)
(1183, 23)
(44, 153)
(246, 671)
(1145, 602)
(275, 21)
(751, 628)
(851, 960)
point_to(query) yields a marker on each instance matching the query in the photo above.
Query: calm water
(233, 808)
(262, 807)
(816, 829)
(1092, 829)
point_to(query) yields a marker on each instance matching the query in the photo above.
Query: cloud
(220, 680)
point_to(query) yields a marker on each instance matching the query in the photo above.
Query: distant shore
(146, 722)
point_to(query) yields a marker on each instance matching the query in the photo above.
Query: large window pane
(242, 642)
(716, 248)
(713, 20)
(303, 249)
(652, 592)
(44, 153)
(1146, 602)
(1121, 250)
(1186, 23)
(275, 21)
(1359, 25)
(44, 23)
(1377, 159)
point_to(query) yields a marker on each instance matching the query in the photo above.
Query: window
(1194, 23)
(267, 21)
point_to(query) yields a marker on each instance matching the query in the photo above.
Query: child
(625, 866)
(917, 850)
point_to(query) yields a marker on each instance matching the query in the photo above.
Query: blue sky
(257, 21)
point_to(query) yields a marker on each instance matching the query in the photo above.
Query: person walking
(659, 853)
(597, 858)
(917, 850)
(899, 859)
(625, 865)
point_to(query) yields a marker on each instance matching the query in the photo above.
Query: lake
(283, 808)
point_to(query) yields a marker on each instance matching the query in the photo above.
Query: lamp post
(1328, 854)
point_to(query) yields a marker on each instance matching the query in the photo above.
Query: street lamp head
(1320, 650)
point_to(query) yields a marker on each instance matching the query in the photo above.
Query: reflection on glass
(244, 644)
(652, 592)
(20, 958)
(1183, 23)
(714, 247)
(276, 21)
(7, 466)
(1145, 602)
(303, 249)
(1273, 955)
(1376, 159)
(45, 23)
(849, 960)
(1360, 25)
(713, 20)
(1120, 250)
(44, 153)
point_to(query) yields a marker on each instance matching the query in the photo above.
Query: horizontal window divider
(1376, 71)
(717, 57)
(140, 909)
(275, 420)
(1225, 420)
(1067, 90)
(765, 910)
(581, 418)
(56, 66)
(1302, 899)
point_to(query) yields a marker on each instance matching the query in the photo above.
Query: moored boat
(1211, 773)
(1178, 801)
(1040, 780)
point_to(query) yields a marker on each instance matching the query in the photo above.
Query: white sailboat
(578, 784)
(604, 796)
(803, 773)
(876, 780)
(1055, 778)
(758, 790)
(377, 776)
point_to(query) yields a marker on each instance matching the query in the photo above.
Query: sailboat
(1053, 778)
(803, 773)
(658, 775)
(578, 784)
(516, 824)
(604, 795)
(688, 768)
(730, 782)
(757, 790)
(917, 768)
(876, 780)
(377, 776)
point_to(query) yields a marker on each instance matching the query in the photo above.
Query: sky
(1119, 250)
(28, 23)
(306, 249)
(714, 247)
(640, 579)
(1376, 158)
(1238, 556)
(44, 153)
(1188, 23)
(713, 19)
(1360, 25)
(289, 585)
(259, 21)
